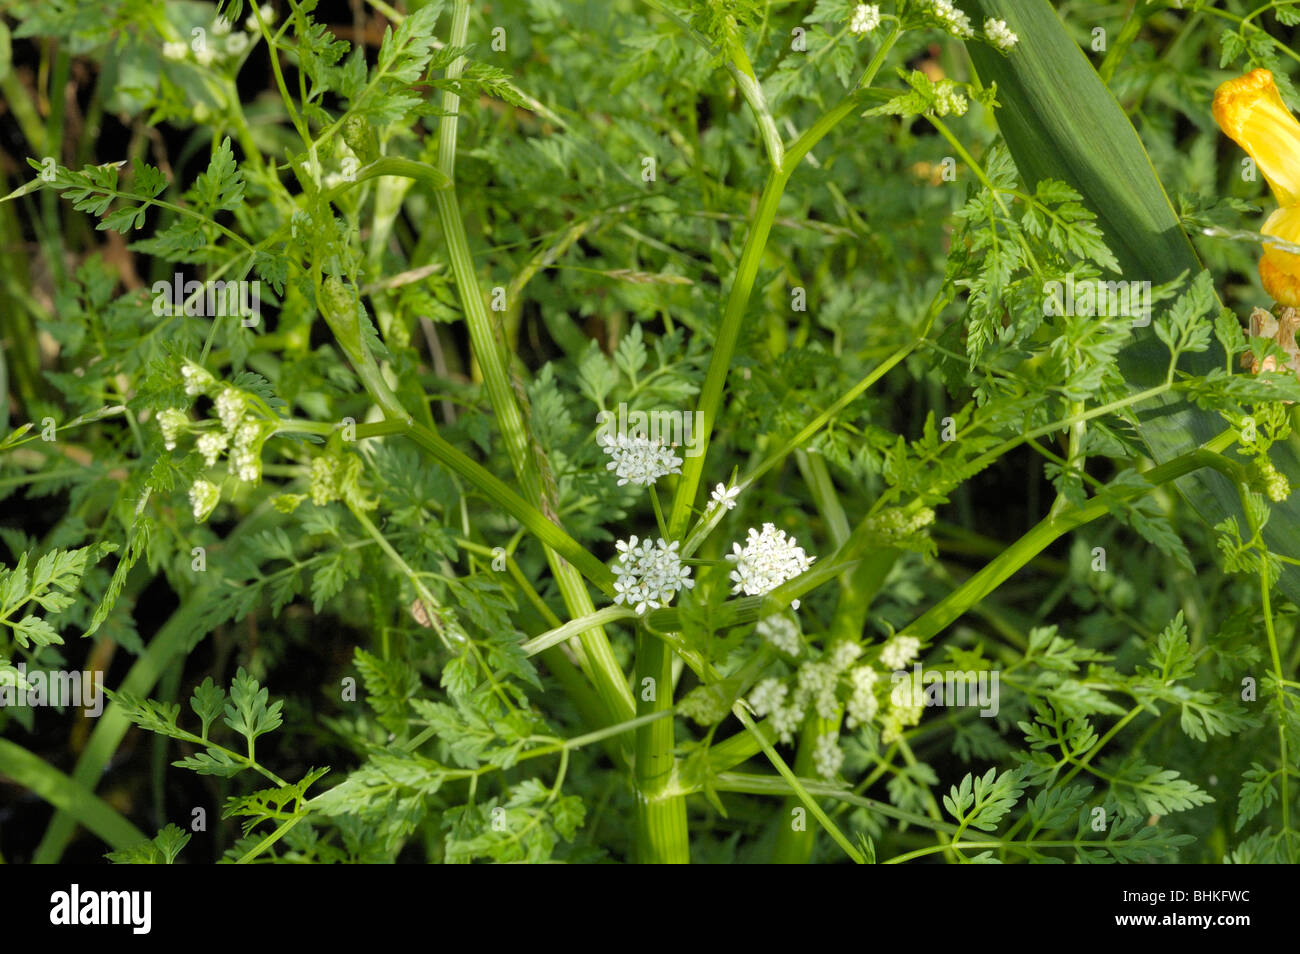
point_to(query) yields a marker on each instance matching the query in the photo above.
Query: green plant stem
(662, 836)
(601, 666)
(724, 343)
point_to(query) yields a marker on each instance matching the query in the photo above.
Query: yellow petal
(1250, 110)
(1279, 270)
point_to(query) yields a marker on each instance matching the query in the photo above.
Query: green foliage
(370, 525)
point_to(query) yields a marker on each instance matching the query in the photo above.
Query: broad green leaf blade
(1060, 121)
(35, 774)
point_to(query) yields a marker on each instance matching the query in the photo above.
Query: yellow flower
(1279, 270)
(1250, 110)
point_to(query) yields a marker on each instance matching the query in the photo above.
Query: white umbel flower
(865, 18)
(268, 17)
(767, 697)
(639, 460)
(175, 51)
(817, 684)
(724, 496)
(171, 422)
(220, 26)
(863, 704)
(204, 497)
(767, 560)
(210, 445)
(649, 573)
(197, 380)
(999, 34)
(828, 757)
(954, 20)
(782, 633)
(230, 408)
(899, 651)
(785, 721)
(844, 654)
(246, 454)
(236, 44)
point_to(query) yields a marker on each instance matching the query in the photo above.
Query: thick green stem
(661, 818)
(724, 345)
(488, 348)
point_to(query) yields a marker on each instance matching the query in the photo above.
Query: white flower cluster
(230, 408)
(817, 684)
(817, 688)
(952, 19)
(865, 18)
(649, 573)
(223, 45)
(949, 99)
(828, 758)
(639, 460)
(899, 651)
(268, 17)
(204, 497)
(246, 453)
(767, 560)
(781, 632)
(171, 422)
(211, 445)
(863, 704)
(197, 380)
(999, 34)
(903, 711)
(242, 433)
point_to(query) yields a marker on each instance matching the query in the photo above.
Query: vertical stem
(661, 821)
(603, 668)
(724, 345)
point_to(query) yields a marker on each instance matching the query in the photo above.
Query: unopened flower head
(899, 651)
(724, 496)
(767, 697)
(767, 560)
(639, 460)
(204, 497)
(781, 632)
(999, 34)
(818, 682)
(649, 573)
(268, 17)
(828, 757)
(246, 452)
(171, 422)
(844, 654)
(220, 26)
(865, 18)
(230, 408)
(210, 445)
(197, 380)
(949, 99)
(952, 19)
(324, 480)
(236, 44)
(862, 705)
(785, 721)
